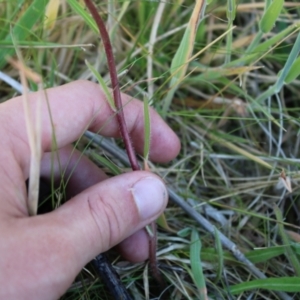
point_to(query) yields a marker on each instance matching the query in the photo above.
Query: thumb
(107, 213)
(57, 245)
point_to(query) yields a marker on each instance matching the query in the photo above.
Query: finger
(136, 247)
(71, 168)
(69, 237)
(78, 174)
(107, 213)
(76, 107)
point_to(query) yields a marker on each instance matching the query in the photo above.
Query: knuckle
(105, 219)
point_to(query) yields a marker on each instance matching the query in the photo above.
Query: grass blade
(51, 14)
(196, 265)
(283, 284)
(79, 8)
(271, 15)
(265, 254)
(220, 256)
(103, 86)
(230, 12)
(282, 74)
(114, 169)
(288, 65)
(180, 61)
(290, 254)
(257, 50)
(34, 130)
(147, 130)
(294, 72)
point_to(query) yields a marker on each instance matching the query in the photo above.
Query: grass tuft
(235, 109)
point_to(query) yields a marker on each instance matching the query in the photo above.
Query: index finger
(75, 107)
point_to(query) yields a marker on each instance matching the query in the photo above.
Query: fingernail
(150, 195)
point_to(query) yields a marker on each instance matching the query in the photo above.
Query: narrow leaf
(196, 265)
(294, 71)
(163, 223)
(283, 284)
(264, 254)
(231, 10)
(106, 163)
(147, 130)
(290, 255)
(79, 8)
(220, 256)
(271, 15)
(287, 66)
(103, 86)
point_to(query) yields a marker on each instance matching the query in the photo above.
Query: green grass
(233, 100)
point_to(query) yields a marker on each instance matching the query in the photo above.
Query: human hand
(41, 255)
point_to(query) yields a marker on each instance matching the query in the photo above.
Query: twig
(110, 277)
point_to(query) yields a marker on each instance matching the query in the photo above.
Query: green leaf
(255, 256)
(264, 254)
(28, 44)
(78, 8)
(103, 85)
(184, 232)
(231, 10)
(283, 284)
(271, 15)
(163, 223)
(263, 47)
(22, 29)
(220, 256)
(106, 163)
(211, 255)
(231, 13)
(294, 71)
(147, 130)
(196, 265)
(290, 255)
(12, 9)
(296, 248)
(287, 66)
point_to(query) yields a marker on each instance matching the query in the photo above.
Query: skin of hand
(40, 256)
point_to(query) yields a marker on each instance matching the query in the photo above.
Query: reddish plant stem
(122, 124)
(115, 84)
(153, 259)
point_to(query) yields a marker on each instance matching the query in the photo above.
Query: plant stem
(115, 84)
(122, 124)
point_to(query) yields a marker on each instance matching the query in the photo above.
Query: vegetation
(224, 76)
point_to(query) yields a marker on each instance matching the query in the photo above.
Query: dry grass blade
(51, 14)
(34, 132)
(152, 41)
